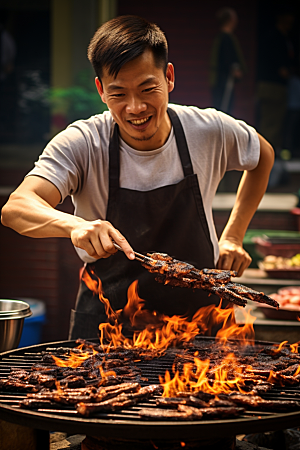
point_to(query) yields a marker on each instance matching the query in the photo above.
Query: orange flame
(244, 333)
(152, 330)
(195, 378)
(95, 285)
(280, 346)
(294, 347)
(74, 360)
(155, 331)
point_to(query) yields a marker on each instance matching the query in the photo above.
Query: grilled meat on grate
(258, 371)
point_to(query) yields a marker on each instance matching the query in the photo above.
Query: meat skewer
(177, 273)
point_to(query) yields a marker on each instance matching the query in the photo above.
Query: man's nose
(135, 105)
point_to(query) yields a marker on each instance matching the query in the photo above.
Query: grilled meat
(86, 409)
(256, 402)
(118, 402)
(31, 403)
(219, 413)
(178, 273)
(169, 414)
(258, 371)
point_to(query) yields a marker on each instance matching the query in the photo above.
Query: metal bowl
(12, 315)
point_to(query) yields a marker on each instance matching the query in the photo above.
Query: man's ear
(170, 74)
(100, 89)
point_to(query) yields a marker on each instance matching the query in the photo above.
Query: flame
(209, 316)
(74, 360)
(294, 347)
(280, 346)
(155, 331)
(230, 329)
(274, 379)
(297, 371)
(194, 378)
(95, 285)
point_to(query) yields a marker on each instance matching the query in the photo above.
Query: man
(275, 64)
(227, 63)
(142, 175)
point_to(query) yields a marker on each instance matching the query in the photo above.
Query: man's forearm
(31, 211)
(32, 216)
(251, 189)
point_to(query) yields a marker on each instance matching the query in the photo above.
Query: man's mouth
(137, 122)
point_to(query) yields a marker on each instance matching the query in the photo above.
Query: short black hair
(123, 39)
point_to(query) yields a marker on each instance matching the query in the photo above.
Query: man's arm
(31, 211)
(251, 189)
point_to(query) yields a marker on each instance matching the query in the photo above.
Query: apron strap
(114, 158)
(181, 143)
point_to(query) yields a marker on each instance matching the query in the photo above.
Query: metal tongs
(138, 256)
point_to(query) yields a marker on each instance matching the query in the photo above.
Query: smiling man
(138, 99)
(143, 174)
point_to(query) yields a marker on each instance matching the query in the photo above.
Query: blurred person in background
(227, 63)
(275, 65)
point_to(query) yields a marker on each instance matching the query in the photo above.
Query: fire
(194, 378)
(297, 371)
(74, 360)
(154, 331)
(294, 347)
(280, 346)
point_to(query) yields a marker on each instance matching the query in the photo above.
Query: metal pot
(12, 315)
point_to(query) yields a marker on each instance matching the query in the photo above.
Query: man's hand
(96, 239)
(31, 211)
(233, 257)
(251, 189)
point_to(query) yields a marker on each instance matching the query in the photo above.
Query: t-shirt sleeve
(241, 147)
(63, 161)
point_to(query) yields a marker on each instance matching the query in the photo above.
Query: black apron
(169, 219)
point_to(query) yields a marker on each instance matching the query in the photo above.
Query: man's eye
(117, 95)
(149, 89)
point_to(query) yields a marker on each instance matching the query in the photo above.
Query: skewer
(138, 256)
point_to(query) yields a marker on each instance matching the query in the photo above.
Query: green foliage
(79, 101)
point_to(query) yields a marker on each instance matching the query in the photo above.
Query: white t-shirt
(76, 161)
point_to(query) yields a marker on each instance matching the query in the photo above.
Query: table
(267, 329)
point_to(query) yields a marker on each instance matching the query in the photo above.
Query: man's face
(137, 99)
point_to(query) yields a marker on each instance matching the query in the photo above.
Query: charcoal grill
(127, 423)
